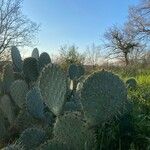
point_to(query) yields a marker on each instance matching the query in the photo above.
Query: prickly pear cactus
(103, 95)
(18, 91)
(16, 59)
(131, 83)
(7, 108)
(54, 145)
(1, 86)
(30, 69)
(44, 59)
(2, 126)
(73, 71)
(71, 129)
(73, 104)
(81, 71)
(13, 147)
(53, 87)
(31, 138)
(35, 53)
(34, 103)
(23, 121)
(7, 78)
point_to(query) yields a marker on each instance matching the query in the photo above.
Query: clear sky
(79, 22)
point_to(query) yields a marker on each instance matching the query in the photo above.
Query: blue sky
(79, 22)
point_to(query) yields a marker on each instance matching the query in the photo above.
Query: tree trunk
(126, 59)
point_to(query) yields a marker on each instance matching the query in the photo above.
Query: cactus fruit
(131, 83)
(30, 69)
(71, 129)
(53, 87)
(16, 59)
(34, 103)
(7, 78)
(31, 138)
(7, 108)
(35, 53)
(44, 59)
(18, 92)
(103, 94)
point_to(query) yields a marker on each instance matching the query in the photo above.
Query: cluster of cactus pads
(39, 110)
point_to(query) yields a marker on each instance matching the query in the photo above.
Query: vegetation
(103, 111)
(76, 103)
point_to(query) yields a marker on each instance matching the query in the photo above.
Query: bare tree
(120, 43)
(139, 19)
(93, 55)
(15, 28)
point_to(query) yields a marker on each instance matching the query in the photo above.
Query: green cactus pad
(103, 94)
(34, 103)
(16, 59)
(71, 129)
(44, 60)
(18, 91)
(2, 126)
(31, 138)
(73, 71)
(7, 108)
(71, 106)
(30, 69)
(23, 121)
(81, 71)
(53, 87)
(7, 78)
(35, 53)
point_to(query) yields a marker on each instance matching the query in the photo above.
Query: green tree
(69, 55)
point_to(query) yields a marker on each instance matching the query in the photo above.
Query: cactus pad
(31, 138)
(52, 84)
(71, 129)
(7, 108)
(18, 91)
(34, 103)
(35, 53)
(102, 95)
(30, 69)
(16, 59)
